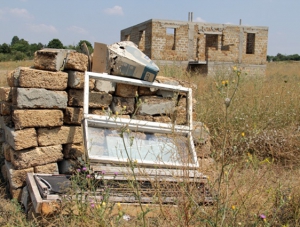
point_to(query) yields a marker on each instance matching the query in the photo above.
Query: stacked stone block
(42, 109)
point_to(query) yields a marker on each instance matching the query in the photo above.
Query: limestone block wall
(42, 109)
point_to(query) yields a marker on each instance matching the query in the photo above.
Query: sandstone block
(122, 105)
(6, 94)
(6, 150)
(13, 77)
(5, 108)
(96, 99)
(4, 172)
(105, 86)
(73, 151)
(154, 105)
(126, 90)
(76, 61)
(73, 115)
(37, 118)
(76, 80)
(147, 91)
(162, 119)
(59, 135)
(17, 178)
(41, 98)
(16, 193)
(50, 59)
(51, 168)
(21, 139)
(102, 111)
(143, 117)
(33, 78)
(36, 156)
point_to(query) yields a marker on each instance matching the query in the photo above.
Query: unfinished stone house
(205, 47)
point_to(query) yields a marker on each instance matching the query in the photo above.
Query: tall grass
(254, 173)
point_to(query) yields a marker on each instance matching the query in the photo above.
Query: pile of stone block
(42, 109)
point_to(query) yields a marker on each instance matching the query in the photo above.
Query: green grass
(256, 148)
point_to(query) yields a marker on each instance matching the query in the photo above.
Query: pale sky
(102, 20)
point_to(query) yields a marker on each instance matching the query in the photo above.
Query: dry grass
(256, 170)
(6, 67)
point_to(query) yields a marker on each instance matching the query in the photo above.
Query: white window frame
(98, 121)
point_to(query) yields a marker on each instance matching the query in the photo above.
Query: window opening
(171, 38)
(250, 47)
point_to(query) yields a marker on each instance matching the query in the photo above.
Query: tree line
(20, 49)
(281, 57)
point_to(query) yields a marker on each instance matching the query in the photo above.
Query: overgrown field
(254, 125)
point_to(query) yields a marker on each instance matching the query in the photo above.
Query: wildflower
(234, 68)
(88, 176)
(117, 113)
(243, 134)
(135, 162)
(262, 216)
(119, 206)
(103, 204)
(84, 169)
(233, 207)
(78, 170)
(116, 173)
(225, 83)
(238, 73)
(103, 172)
(92, 205)
(124, 107)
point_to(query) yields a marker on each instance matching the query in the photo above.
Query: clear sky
(102, 20)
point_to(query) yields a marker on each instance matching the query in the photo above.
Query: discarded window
(171, 38)
(250, 47)
(212, 41)
(116, 140)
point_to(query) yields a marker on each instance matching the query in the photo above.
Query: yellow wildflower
(243, 134)
(233, 207)
(117, 113)
(238, 73)
(124, 107)
(119, 206)
(234, 68)
(103, 204)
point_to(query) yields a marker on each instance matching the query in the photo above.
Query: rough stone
(102, 111)
(7, 150)
(51, 168)
(13, 77)
(73, 115)
(6, 94)
(76, 61)
(147, 91)
(73, 151)
(96, 99)
(126, 90)
(122, 105)
(37, 118)
(33, 78)
(17, 178)
(143, 117)
(16, 193)
(21, 139)
(59, 135)
(76, 80)
(154, 105)
(105, 86)
(36, 156)
(162, 119)
(50, 59)
(41, 98)
(5, 108)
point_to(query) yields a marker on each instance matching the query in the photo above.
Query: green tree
(5, 48)
(55, 43)
(88, 44)
(21, 46)
(35, 47)
(14, 40)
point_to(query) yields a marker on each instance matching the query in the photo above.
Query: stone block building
(206, 47)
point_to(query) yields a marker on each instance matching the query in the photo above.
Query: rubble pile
(42, 109)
